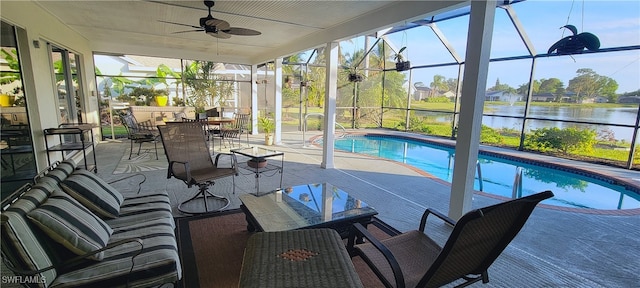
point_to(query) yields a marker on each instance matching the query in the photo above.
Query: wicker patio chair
(235, 130)
(191, 161)
(413, 259)
(139, 132)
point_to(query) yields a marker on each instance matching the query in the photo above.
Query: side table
(257, 155)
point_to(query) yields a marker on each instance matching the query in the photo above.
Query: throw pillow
(69, 223)
(94, 193)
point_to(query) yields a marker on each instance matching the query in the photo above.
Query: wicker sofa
(73, 229)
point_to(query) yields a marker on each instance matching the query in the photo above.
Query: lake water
(619, 115)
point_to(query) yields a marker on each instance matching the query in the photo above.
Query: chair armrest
(77, 260)
(423, 221)
(234, 160)
(144, 178)
(357, 230)
(187, 170)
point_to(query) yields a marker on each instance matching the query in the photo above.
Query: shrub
(487, 135)
(563, 140)
(490, 135)
(438, 99)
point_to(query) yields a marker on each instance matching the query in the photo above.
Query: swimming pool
(570, 189)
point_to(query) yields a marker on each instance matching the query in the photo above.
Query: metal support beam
(277, 85)
(471, 105)
(331, 56)
(254, 99)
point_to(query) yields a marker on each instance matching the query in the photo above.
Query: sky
(615, 23)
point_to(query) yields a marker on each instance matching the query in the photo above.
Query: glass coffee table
(305, 206)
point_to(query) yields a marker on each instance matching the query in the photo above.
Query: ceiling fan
(216, 27)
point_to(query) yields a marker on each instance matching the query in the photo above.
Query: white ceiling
(287, 27)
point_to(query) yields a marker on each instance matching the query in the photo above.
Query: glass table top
(303, 206)
(257, 152)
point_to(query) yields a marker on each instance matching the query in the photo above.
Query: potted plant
(161, 97)
(354, 76)
(401, 65)
(201, 113)
(268, 126)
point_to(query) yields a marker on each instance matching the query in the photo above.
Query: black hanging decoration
(576, 43)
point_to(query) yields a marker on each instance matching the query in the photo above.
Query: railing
(304, 128)
(517, 184)
(480, 180)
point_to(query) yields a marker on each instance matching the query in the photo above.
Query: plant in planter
(268, 126)
(401, 65)
(201, 113)
(354, 76)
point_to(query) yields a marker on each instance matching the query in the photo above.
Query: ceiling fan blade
(219, 24)
(220, 35)
(169, 22)
(241, 31)
(186, 31)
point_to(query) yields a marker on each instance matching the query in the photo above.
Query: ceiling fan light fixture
(216, 27)
(219, 34)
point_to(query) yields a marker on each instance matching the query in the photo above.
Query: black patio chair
(139, 132)
(236, 129)
(190, 161)
(413, 259)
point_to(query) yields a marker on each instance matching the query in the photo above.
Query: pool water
(498, 175)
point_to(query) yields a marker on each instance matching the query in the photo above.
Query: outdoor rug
(211, 248)
(146, 161)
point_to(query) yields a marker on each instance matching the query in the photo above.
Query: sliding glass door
(16, 146)
(67, 85)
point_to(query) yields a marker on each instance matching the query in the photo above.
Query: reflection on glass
(18, 165)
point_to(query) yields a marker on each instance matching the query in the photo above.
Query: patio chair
(413, 259)
(179, 116)
(235, 130)
(190, 161)
(139, 132)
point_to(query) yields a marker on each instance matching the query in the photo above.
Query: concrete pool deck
(556, 248)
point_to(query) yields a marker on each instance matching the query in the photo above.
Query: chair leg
(139, 148)
(155, 145)
(204, 193)
(130, 149)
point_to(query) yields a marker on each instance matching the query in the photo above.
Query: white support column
(278, 102)
(471, 105)
(254, 99)
(331, 56)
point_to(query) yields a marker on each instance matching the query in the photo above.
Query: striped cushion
(22, 243)
(94, 193)
(67, 165)
(157, 263)
(69, 223)
(141, 208)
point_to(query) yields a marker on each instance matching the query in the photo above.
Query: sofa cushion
(69, 223)
(94, 193)
(155, 263)
(23, 242)
(142, 208)
(68, 166)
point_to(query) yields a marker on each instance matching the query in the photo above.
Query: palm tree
(205, 87)
(7, 77)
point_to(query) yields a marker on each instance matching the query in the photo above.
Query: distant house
(502, 96)
(423, 92)
(597, 99)
(629, 99)
(543, 97)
